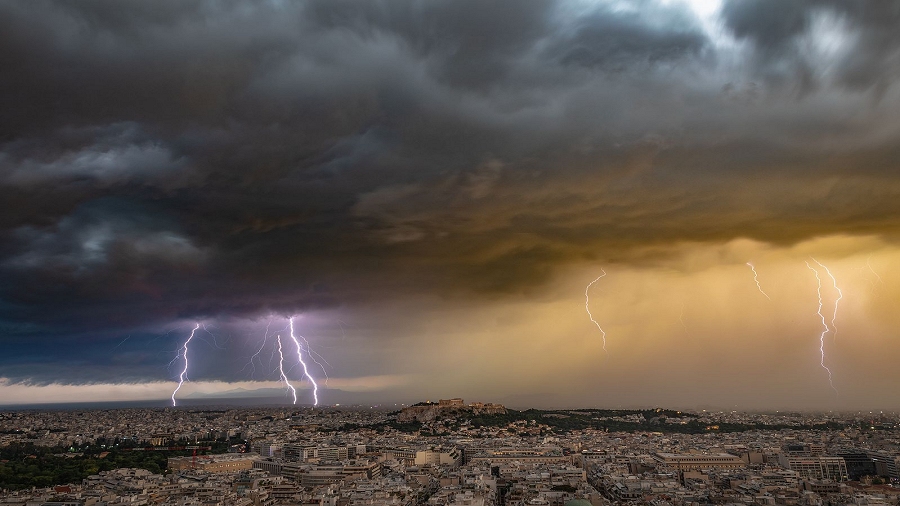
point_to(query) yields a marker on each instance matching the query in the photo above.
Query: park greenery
(622, 420)
(25, 465)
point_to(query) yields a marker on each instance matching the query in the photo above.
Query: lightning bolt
(161, 336)
(215, 339)
(312, 356)
(122, 341)
(281, 370)
(756, 278)
(305, 370)
(869, 264)
(836, 301)
(256, 355)
(183, 375)
(587, 307)
(824, 325)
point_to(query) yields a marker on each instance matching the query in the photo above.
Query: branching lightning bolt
(836, 301)
(312, 355)
(305, 370)
(281, 370)
(587, 307)
(756, 278)
(215, 339)
(256, 355)
(184, 353)
(303, 348)
(824, 325)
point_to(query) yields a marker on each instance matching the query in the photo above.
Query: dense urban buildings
(461, 455)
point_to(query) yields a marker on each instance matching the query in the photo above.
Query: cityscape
(446, 453)
(449, 252)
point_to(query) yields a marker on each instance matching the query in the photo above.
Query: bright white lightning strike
(756, 278)
(836, 301)
(305, 370)
(182, 376)
(587, 307)
(824, 325)
(281, 370)
(312, 356)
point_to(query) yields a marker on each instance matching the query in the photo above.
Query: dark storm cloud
(102, 156)
(771, 25)
(615, 41)
(465, 44)
(204, 159)
(782, 32)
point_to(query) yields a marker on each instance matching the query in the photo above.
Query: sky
(430, 190)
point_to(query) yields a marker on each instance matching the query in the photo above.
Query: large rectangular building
(885, 464)
(312, 475)
(820, 468)
(690, 462)
(227, 462)
(496, 457)
(439, 456)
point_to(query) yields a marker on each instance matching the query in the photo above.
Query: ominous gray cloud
(792, 36)
(227, 159)
(612, 40)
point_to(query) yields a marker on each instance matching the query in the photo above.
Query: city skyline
(550, 204)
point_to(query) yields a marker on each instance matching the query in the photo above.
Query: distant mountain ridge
(239, 392)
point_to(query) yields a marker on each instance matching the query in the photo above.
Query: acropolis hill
(428, 411)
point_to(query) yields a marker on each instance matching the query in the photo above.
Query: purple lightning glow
(756, 278)
(836, 301)
(281, 370)
(184, 353)
(302, 344)
(305, 370)
(824, 326)
(312, 356)
(587, 307)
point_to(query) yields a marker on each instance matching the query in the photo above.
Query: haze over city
(685, 204)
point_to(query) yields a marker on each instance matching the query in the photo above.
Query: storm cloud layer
(171, 161)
